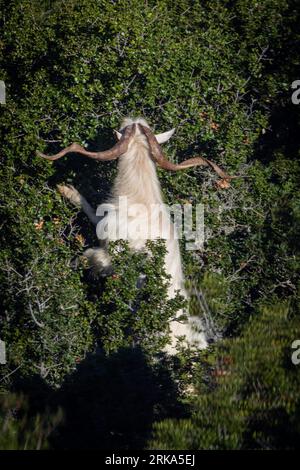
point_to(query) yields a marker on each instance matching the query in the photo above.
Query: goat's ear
(162, 138)
(118, 135)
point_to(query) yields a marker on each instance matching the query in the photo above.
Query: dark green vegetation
(221, 73)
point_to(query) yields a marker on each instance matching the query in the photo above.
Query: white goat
(137, 181)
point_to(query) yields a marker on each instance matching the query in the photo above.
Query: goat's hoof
(69, 192)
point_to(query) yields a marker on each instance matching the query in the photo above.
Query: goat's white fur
(137, 180)
(161, 138)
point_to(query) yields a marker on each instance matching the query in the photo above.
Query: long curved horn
(118, 149)
(158, 156)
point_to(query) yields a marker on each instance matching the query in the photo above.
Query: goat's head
(140, 122)
(130, 129)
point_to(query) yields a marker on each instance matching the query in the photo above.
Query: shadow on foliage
(92, 178)
(282, 135)
(273, 429)
(108, 402)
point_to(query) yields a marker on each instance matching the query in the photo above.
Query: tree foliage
(221, 73)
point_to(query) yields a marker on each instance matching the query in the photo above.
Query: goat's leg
(70, 193)
(99, 260)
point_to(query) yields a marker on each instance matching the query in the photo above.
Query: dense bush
(220, 72)
(254, 402)
(20, 430)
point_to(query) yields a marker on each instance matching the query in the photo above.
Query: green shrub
(254, 402)
(20, 430)
(220, 72)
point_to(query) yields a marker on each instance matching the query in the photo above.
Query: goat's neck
(137, 178)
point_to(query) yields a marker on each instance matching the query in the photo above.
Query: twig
(12, 372)
(41, 325)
